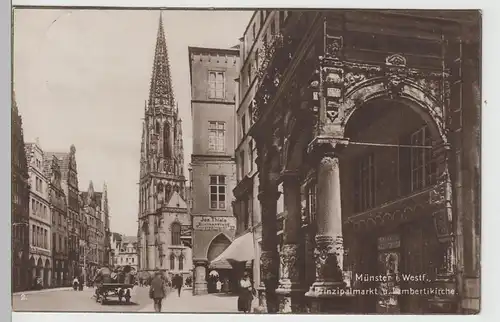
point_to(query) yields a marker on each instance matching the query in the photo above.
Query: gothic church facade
(164, 222)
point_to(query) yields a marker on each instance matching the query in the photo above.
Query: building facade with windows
(364, 117)
(58, 214)
(261, 27)
(20, 203)
(164, 224)
(65, 216)
(124, 250)
(94, 203)
(40, 216)
(213, 96)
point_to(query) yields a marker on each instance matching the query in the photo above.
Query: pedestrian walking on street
(246, 294)
(177, 283)
(157, 291)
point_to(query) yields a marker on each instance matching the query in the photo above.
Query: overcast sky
(81, 77)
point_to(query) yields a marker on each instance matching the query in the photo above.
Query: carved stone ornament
(327, 258)
(329, 163)
(441, 223)
(288, 259)
(268, 264)
(333, 46)
(285, 305)
(395, 60)
(352, 79)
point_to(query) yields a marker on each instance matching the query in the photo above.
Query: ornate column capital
(268, 265)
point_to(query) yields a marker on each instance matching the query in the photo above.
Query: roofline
(192, 50)
(250, 22)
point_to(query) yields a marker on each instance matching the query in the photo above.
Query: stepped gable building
(164, 223)
(365, 117)
(40, 216)
(67, 225)
(213, 73)
(20, 198)
(95, 209)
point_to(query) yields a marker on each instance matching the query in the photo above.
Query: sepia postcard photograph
(252, 161)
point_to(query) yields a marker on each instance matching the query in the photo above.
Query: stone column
(441, 197)
(329, 250)
(269, 258)
(290, 289)
(200, 281)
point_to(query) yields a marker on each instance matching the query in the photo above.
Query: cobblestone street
(187, 303)
(68, 300)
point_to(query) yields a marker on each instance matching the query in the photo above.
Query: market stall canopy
(241, 249)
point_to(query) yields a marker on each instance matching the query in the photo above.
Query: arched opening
(47, 273)
(223, 268)
(391, 163)
(176, 233)
(32, 274)
(167, 145)
(181, 262)
(158, 127)
(172, 262)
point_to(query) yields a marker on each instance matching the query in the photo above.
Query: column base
(200, 288)
(291, 300)
(446, 302)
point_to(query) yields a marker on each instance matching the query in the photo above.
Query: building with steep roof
(19, 204)
(95, 209)
(163, 212)
(125, 250)
(40, 216)
(67, 226)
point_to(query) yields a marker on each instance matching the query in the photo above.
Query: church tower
(162, 207)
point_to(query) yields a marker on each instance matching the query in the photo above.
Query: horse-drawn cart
(119, 290)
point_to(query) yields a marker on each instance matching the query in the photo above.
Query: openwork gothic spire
(160, 93)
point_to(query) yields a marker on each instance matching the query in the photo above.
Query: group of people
(159, 286)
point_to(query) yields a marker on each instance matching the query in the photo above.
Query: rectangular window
(242, 164)
(216, 85)
(250, 154)
(33, 235)
(365, 184)
(311, 202)
(423, 165)
(218, 192)
(243, 126)
(216, 136)
(249, 71)
(45, 240)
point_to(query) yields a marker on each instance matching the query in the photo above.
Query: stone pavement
(64, 300)
(188, 303)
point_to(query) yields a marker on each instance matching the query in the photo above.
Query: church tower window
(167, 146)
(176, 233)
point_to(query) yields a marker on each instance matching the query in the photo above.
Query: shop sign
(210, 223)
(389, 242)
(38, 251)
(186, 230)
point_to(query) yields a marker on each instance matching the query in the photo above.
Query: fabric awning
(241, 249)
